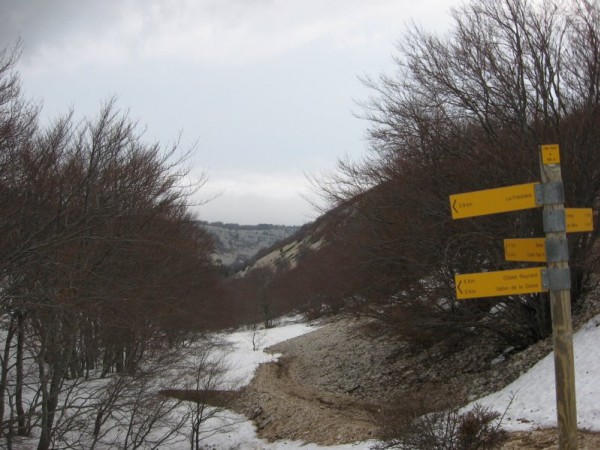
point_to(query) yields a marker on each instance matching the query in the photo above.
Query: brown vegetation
(464, 112)
(102, 268)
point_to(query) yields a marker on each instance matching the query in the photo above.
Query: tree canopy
(467, 111)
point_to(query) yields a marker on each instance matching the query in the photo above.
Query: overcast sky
(264, 89)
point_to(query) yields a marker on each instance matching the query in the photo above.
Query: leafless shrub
(258, 337)
(417, 427)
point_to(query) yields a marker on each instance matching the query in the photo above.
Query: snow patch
(533, 394)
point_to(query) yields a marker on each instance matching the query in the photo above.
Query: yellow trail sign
(579, 219)
(503, 282)
(526, 249)
(550, 154)
(492, 201)
(534, 249)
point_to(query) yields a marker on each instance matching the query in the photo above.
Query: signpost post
(560, 305)
(554, 278)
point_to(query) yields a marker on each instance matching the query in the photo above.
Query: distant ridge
(237, 226)
(236, 244)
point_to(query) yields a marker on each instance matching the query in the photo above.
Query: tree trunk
(22, 427)
(49, 403)
(4, 375)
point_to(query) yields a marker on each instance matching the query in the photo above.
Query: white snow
(236, 431)
(534, 401)
(533, 394)
(243, 360)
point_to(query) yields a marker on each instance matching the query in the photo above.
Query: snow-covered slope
(534, 402)
(533, 405)
(236, 431)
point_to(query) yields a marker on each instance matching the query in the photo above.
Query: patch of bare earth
(329, 385)
(284, 407)
(548, 440)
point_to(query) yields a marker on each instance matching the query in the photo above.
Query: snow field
(534, 402)
(234, 430)
(533, 394)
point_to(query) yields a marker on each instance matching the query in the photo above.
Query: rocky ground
(334, 385)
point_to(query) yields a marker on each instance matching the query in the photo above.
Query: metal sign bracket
(556, 279)
(557, 250)
(550, 193)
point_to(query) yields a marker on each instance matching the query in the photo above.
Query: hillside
(309, 238)
(235, 244)
(360, 383)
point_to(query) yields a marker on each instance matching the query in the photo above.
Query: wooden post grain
(562, 331)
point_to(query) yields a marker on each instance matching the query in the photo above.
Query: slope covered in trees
(102, 267)
(464, 111)
(103, 270)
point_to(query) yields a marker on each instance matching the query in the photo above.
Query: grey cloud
(42, 22)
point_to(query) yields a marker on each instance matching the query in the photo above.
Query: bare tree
(102, 267)
(466, 111)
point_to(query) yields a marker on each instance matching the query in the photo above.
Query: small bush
(448, 429)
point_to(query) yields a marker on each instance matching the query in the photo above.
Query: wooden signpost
(554, 278)
(560, 308)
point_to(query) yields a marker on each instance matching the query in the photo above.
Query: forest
(464, 112)
(105, 274)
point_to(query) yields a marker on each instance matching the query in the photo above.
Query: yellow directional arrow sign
(492, 201)
(503, 282)
(579, 219)
(527, 249)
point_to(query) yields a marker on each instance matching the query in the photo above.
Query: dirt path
(328, 386)
(285, 408)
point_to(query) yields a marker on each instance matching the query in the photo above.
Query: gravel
(331, 385)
